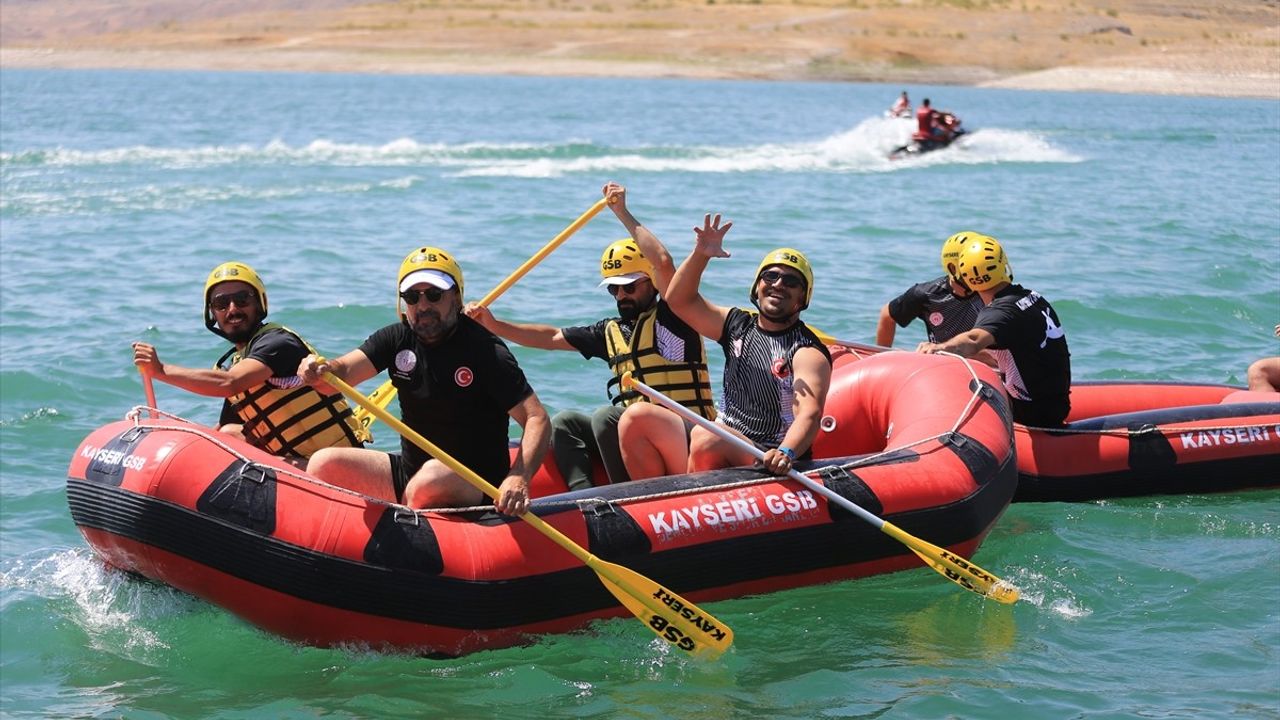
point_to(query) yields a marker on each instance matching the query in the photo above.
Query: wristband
(791, 454)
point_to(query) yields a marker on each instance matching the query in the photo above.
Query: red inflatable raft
(1125, 439)
(1140, 438)
(185, 506)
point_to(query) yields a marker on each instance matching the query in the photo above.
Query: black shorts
(1039, 414)
(400, 475)
(399, 478)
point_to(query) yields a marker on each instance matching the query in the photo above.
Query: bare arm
(654, 251)
(886, 329)
(811, 382)
(513, 495)
(682, 294)
(965, 344)
(531, 335)
(211, 382)
(352, 368)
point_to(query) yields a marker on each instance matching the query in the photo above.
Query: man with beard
(459, 387)
(646, 338)
(266, 403)
(776, 373)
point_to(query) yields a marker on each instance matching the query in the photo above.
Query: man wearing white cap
(459, 387)
(646, 338)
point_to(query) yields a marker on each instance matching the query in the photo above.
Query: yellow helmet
(427, 258)
(951, 250)
(623, 260)
(226, 272)
(982, 264)
(792, 258)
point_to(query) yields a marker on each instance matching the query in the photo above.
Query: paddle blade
(381, 397)
(956, 569)
(679, 622)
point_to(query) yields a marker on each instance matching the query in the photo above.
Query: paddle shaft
(463, 471)
(756, 452)
(386, 391)
(952, 566)
(659, 608)
(863, 347)
(546, 250)
(149, 388)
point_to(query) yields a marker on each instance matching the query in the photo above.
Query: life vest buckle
(246, 472)
(406, 516)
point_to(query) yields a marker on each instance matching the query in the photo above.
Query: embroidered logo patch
(935, 319)
(781, 368)
(464, 376)
(406, 361)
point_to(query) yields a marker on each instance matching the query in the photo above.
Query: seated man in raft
(459, 387)
(646, 338)
(776, 372)
(266, 403)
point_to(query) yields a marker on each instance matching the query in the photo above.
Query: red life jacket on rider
(924, 123)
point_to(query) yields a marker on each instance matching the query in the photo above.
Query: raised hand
(710, 236)
(616, 195)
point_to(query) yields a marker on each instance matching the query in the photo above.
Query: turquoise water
(1152, 224)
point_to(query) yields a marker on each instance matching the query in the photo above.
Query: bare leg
(708, 451)
(235, 430)
(1264, 375)
(435, 485)
(364, 471)
(652, 441)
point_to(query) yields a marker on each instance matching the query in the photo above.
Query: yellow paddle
(386, 391)
(671, 617)
(952, 566)
(864, 347)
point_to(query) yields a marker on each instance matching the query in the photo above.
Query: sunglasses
(628, 289)
(433, 295)
(224, 300)
(788, 280)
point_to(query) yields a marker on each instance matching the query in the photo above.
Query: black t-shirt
(944, 314)
(758, 376)
(457, 393)
(280, 350)
(1031, 349)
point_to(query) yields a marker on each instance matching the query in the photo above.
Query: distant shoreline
(1146, 81)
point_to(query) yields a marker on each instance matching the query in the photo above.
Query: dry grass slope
(1169, 46)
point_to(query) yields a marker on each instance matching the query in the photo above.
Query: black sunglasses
(788, 280)
(628, 289)
(433, 295)
(224, 300)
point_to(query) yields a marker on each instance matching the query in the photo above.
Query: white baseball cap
(623, 279)
(431, 277)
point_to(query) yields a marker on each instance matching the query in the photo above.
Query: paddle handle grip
(149, 388)
(546, 250)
